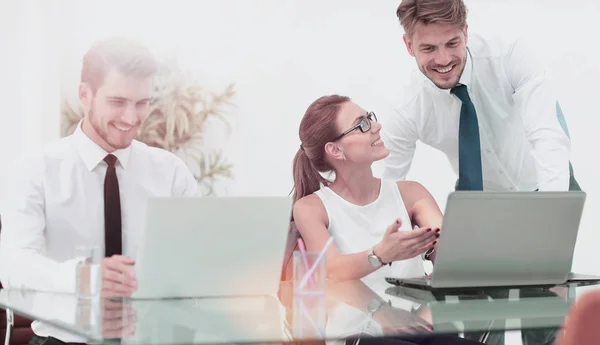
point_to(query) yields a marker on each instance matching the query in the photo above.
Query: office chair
(18, 329)
(10, 322)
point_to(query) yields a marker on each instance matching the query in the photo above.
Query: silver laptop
(212, 246)
(505, 239)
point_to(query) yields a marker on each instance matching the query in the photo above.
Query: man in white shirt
(486, 104)
(90, 188)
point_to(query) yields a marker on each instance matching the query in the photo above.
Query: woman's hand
(402, 245)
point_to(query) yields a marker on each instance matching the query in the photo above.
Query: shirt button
(488, 151)
(500, 172)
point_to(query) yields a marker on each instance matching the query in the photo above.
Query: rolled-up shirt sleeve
(536, 103)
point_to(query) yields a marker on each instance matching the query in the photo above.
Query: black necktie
(470, 176)
(112, 209)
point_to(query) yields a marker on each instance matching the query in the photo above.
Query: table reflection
(355, 310)
(347, 310)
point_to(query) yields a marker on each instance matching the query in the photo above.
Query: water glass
(309, 273)
(88, 271)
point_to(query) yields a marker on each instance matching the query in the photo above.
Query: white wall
(282, 55)
(28, 90)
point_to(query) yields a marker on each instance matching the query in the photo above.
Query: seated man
(89, 189)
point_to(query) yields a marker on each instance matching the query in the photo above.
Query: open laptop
(212, 246)
(505, 239)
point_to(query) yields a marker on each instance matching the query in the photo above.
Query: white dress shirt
(57, 203)
(523, 146)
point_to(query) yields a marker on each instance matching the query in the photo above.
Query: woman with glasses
(371, 220)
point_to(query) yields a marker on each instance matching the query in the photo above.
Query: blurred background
(243, 72)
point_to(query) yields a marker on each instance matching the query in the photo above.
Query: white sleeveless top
(358, 228)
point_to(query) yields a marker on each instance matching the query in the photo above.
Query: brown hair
(127, 56)
(317, 128)
(414, 12)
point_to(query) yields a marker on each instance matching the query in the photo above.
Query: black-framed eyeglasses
(364, 125)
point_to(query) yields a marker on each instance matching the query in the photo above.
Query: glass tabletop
(347, 310)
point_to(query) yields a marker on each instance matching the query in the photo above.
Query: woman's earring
(343, 157)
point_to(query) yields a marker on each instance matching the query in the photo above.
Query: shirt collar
(92, 153)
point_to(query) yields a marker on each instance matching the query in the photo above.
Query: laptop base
(425, 283)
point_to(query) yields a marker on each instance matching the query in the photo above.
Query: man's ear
(334, 151)
(408, 44)
(85, 95)
(466, 33)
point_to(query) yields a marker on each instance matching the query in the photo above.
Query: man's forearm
(30, 270)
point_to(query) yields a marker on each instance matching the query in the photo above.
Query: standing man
(486, 104)
(90, 188)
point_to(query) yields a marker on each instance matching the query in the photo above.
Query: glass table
(346, 310)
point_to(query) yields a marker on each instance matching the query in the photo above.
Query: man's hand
(118, 319)
(118, 276)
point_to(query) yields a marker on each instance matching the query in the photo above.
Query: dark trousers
(436, 339)
(529, 335)
(37, 340)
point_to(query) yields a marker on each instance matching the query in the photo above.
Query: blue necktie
(470, 176)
